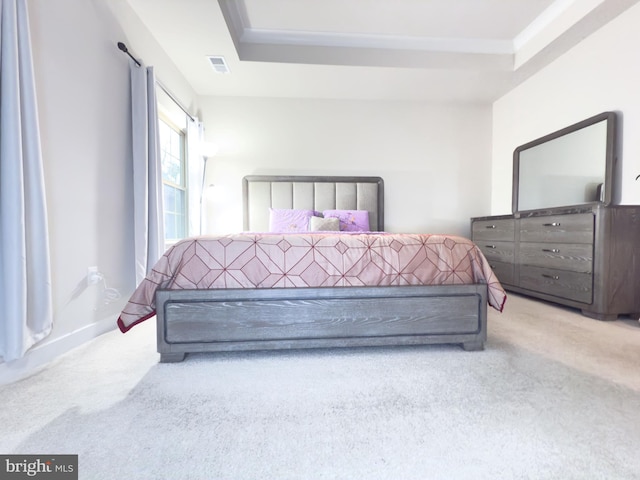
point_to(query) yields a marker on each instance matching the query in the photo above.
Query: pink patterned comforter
(269, 260)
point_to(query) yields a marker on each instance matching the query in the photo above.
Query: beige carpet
(554, 396)
(608, 350)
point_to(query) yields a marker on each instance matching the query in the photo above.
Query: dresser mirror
(573, 166)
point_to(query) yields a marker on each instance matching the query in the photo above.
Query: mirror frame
(610, 181)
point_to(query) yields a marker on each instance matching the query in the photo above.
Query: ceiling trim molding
(390, 42)
(562, 26)
(360, 49)
(557, 29)
(542, 22)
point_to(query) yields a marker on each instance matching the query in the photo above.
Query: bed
(258, 290)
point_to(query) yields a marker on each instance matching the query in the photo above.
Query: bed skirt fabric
(309, 260)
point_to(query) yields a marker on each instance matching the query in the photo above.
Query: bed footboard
(219, 320)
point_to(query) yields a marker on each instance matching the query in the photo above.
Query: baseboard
(40, 356)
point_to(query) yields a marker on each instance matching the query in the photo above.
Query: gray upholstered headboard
(260, 192)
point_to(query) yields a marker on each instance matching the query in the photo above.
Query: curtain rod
(124, 48)
(170, 95)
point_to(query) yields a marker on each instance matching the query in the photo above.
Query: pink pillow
(350, 220)
(283, 220)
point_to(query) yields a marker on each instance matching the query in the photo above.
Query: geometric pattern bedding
(276, 260)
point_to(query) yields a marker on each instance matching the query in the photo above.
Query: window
(174, 184)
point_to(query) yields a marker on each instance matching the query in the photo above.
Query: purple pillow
(350, 220)
(283, 220)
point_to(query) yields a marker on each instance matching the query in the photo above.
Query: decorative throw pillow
(319, 224)
(282, 220)
(350, 220)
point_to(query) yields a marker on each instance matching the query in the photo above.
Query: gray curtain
(25, 277)
(147, 171)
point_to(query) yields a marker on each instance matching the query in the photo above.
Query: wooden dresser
(583, 257)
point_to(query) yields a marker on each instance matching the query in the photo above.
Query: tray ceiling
(435, 50)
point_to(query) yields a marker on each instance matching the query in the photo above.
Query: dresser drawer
(575, 257)
(559, 283)
(576, 228)
(498, 251)
(503, 229)
(504, 271)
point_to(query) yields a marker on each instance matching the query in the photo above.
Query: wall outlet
(93, 276)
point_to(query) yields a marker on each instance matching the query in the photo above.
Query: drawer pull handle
(552, 277)
(552, 250)
(554, 224)
(491, 246)
(490, 226)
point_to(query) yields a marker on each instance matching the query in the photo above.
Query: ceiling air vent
(218, 64)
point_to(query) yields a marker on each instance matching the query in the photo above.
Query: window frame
(182, 133)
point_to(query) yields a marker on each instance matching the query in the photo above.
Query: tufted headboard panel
(261, 192)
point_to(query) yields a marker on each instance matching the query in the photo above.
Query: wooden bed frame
(190, 321)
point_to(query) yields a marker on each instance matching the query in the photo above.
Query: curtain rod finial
(124, 48)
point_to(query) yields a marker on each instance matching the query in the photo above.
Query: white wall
(82, 83)
(85, 142)
(433, 158)
(601, 73)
